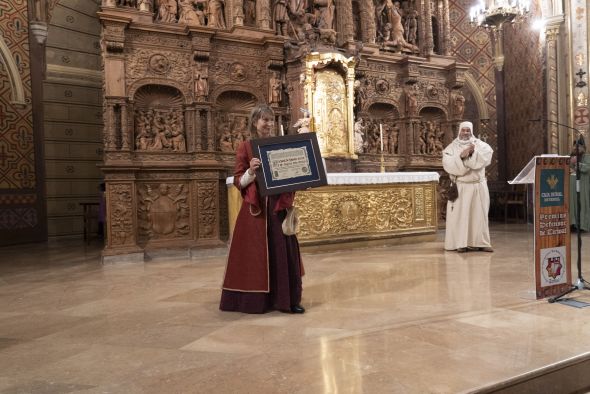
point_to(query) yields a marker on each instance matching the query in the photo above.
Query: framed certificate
(288, 163)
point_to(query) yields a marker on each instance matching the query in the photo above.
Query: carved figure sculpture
(216, 14)
(394, 140)
(264, 17)
(144, 5)
(430, 138)
(177, 140)
(325, 13)
(188, 13)
(201, 85)
(238, 12)
(274, 89)
(412, 28)
(360, 94)
(167, 11)
(143, 138)
(160, 141)
(124, 3)
(250, 12)
(411, 102)
(240, 132)
(303, 125)
(280, 17)
(225, 141)
(421, 148)
(359, 131)
(458, 105)
(392, 30)
(439, 143)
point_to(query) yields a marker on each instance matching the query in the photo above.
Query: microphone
(535, 120)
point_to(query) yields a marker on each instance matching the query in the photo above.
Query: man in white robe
(465, 160)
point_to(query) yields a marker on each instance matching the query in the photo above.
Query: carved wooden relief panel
(159, 120)
(120, 199)
(208, 205)
(181, 78)
(163, 211)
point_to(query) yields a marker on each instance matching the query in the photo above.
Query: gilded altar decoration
(364, 212)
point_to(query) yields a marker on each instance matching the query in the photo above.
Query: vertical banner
(553, 274)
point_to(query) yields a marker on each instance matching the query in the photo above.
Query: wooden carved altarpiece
(181, 77)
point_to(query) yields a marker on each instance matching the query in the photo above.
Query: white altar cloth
(370, 178)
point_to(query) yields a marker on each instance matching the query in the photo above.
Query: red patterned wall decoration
(523, 81)
(472, 46)
(21, 212)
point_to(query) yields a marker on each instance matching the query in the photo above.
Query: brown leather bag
(453, 192)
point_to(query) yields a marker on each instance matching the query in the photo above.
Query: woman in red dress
(264, 267)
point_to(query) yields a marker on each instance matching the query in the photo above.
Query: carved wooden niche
(429, 135)
(163, 211)
(231, 119)
(159, 119)
(386, 115)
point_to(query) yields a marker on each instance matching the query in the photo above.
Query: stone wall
(73, 114)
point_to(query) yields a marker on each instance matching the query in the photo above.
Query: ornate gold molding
(366, 211)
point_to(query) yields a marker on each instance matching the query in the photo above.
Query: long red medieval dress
(264, 266)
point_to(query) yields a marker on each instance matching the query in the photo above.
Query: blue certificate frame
(288, 163)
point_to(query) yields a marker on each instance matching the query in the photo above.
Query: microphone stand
(581, 283)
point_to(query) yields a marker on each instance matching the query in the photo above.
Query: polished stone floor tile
(393, 319)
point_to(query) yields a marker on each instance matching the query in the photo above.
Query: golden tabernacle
(359, 207)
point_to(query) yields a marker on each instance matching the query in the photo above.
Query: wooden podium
(552, 246)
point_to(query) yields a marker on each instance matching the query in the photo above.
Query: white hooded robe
(467, 216)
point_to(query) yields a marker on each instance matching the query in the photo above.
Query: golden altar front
(362, 207)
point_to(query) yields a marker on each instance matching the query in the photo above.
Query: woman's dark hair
(257, 113)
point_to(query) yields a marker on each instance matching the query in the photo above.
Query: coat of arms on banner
(553, 265)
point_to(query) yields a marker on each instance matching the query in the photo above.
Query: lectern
(552, 245)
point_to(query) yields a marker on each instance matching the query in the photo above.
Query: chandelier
(493, 14)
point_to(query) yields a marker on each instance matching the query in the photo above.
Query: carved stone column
(210, 131)
(551, 37)
(200, 128)
(411, 127)
(263, 14)
(124, 127)
(344, 23)
(189, 128)
(350, 75)
(428, 38)
(369, 30)
(236, 16)
(446, 29)
(109, 135)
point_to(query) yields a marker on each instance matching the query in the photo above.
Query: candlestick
(282, 131)
(381, 135)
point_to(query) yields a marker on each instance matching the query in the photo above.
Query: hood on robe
(471, 140)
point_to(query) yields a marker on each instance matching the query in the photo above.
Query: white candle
(282, 131)
(381, 135)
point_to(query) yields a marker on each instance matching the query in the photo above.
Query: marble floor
(391, 319)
